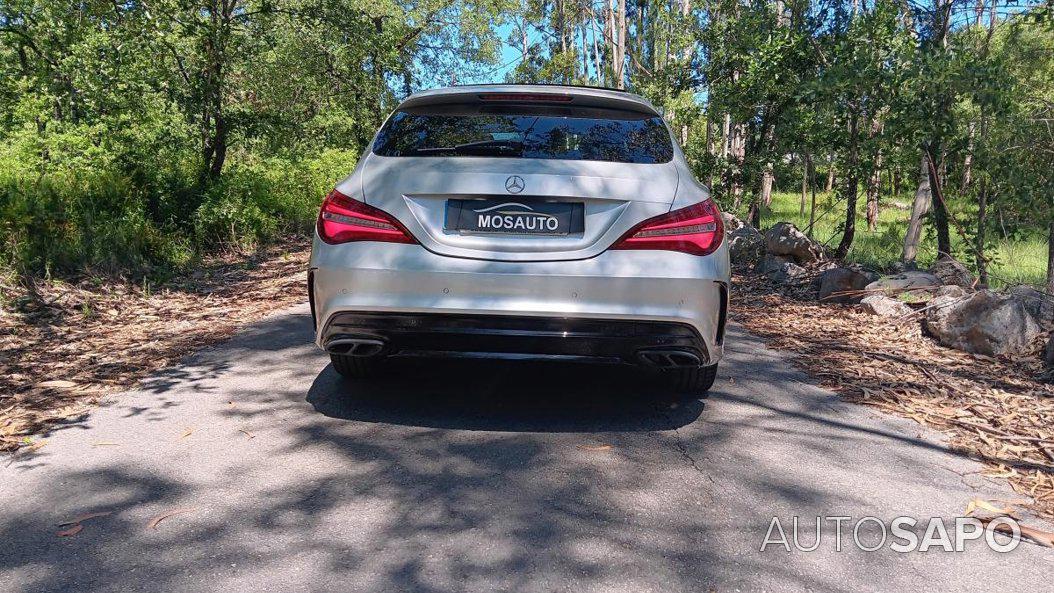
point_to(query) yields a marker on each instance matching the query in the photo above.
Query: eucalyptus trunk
(919, 209)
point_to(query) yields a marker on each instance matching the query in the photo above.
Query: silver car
(523, 222)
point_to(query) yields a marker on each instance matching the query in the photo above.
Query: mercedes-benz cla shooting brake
(523, 222)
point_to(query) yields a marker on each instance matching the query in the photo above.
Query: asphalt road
(480, 477)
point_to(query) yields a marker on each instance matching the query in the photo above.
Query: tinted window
(526, 132)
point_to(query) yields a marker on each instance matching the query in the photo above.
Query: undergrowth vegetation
(1020, 259)
(103, 220)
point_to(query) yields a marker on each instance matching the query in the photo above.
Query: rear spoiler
(527, 94)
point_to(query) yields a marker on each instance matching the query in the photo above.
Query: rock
(952, 291)
(746, 246)
(984, 322)
(951, 271)
(839, 280)
(785, 239)
(782, 269)
(1039, 304)
(731, 221)
(912, 286)
(1048, 352)
(884, 306)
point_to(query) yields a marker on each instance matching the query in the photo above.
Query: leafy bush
(106, 220)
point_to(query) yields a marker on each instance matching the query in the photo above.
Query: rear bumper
(651, 343)
(591, 297)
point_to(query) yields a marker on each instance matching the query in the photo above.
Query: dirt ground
(63, 345)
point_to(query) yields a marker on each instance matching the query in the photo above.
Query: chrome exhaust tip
(668, 359)
(360, 347)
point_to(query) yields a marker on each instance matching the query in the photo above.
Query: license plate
(515, 217)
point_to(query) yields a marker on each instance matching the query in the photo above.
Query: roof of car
(583, 96)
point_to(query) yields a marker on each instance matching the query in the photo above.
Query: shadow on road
(505, 396)
(466, 476)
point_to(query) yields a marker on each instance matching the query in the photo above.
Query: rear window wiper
(501, 147)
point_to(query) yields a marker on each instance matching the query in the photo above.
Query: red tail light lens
(343, 220)
(697, 229)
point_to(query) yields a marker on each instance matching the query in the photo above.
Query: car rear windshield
(533, 132)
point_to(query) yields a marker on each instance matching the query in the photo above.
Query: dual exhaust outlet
(365, 347)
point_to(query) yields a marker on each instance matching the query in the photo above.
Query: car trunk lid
(613, 197)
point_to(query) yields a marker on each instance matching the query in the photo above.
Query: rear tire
(354, 367)
(693, 381)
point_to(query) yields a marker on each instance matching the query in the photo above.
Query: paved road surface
(478, 477)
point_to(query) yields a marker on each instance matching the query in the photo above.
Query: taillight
(697, 230)
(343, 220)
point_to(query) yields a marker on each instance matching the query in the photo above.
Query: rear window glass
(584, 134)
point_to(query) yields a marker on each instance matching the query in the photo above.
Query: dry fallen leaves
(594, 447)
(165, 515)
(1037, 536)
(101, 353)
(71, 531)
(995, 410)
(76, 525)
(84, 518)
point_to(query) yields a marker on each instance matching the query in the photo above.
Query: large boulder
(781, 268)
(911, 286)
(1039, 304)
(785, 239)
(746, 246)
(984, 322)
(951, 271)
(883, 306)
(836, 281)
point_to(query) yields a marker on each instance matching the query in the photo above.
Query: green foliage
(136, 136)
(59, 222)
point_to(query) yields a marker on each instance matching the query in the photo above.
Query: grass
(1013, 262)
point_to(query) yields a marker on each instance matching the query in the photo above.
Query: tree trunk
(982, 226)
(830, 177)
(968, 159)
(851, 188)
(804, 183)
(754, 214)
(1050, 258)
(873, 182)
(919, 208)
(940, 212)
(726, 130)
(739, 153)
(596, 49)
(766, 185)
(812, 211)
(618, 41)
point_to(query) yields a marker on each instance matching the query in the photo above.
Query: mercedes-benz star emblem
(514, 184)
